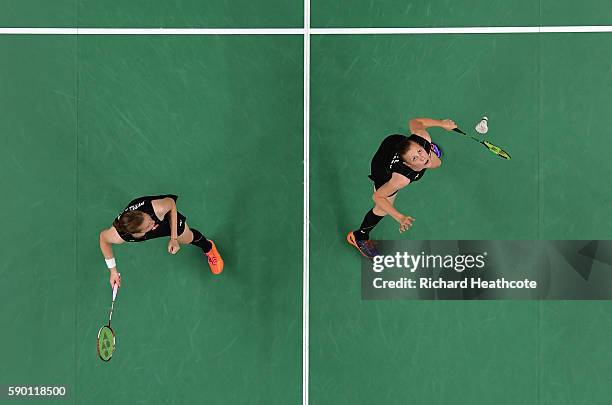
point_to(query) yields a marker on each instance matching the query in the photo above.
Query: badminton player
(399, 161)
(151, 217)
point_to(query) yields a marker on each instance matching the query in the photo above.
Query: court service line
(306, 32)
(460, 30)
(152, 31)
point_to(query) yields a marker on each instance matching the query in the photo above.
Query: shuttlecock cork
(482, 126)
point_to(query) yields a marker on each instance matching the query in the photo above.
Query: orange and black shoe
(366, 247)
(214, 259)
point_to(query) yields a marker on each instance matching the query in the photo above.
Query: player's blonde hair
(129, 222)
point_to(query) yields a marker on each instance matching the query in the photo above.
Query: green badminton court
(91, 121)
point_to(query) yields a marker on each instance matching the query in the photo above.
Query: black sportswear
(144, 204)
(387, 160)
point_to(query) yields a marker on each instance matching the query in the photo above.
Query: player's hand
(173, 246)
(115, 278)
(405, 223)
(448, 124)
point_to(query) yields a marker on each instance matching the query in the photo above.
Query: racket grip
(460, 131)
(115, 288)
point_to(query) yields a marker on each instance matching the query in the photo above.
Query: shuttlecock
(482, 126)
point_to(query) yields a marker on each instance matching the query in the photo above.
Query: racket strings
(106, 343)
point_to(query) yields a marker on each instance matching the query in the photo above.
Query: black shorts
(380, 179)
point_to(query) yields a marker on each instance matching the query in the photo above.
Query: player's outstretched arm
(418, 126)
(108, 238)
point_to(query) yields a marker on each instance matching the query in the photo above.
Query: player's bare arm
(162, 207)
(108, 238)
(418, 126)
(381, 200)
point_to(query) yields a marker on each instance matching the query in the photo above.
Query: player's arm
(396, 183)
(161, 208)
(418, 126)
(108, 238)
(164, 206)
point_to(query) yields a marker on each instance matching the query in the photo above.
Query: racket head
(497, 150)
(106, 343)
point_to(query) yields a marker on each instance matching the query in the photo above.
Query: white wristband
(110, 263)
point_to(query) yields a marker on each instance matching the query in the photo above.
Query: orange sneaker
(214, 259)
(366, 247)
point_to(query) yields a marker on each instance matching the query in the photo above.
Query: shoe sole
(350, 238)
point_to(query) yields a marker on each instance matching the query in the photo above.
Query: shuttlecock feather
(482, 126)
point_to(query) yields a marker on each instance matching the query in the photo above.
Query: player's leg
(360, 238)
(186, 237)
(194, 237)
(379, 211)
(371, 219)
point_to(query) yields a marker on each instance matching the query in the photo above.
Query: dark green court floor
(434, 13)
(147, 14)
(38, 13)
(575, 84)
(38, 161)
(192, 13)
(171, 114)
(546, 107)
(279, 14)
(459, 13)
(155, 115)
(89, 123)
(576, 356)
(569, 12)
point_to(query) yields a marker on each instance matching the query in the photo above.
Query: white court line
(305, 31)
(577, 28)
(459, 30)
(424, 30)
(306, 247)
(152, 31)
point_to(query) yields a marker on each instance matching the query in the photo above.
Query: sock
(369, 222)
(200, 241)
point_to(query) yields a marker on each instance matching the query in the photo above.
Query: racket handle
(115, 288)
(460, 131)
